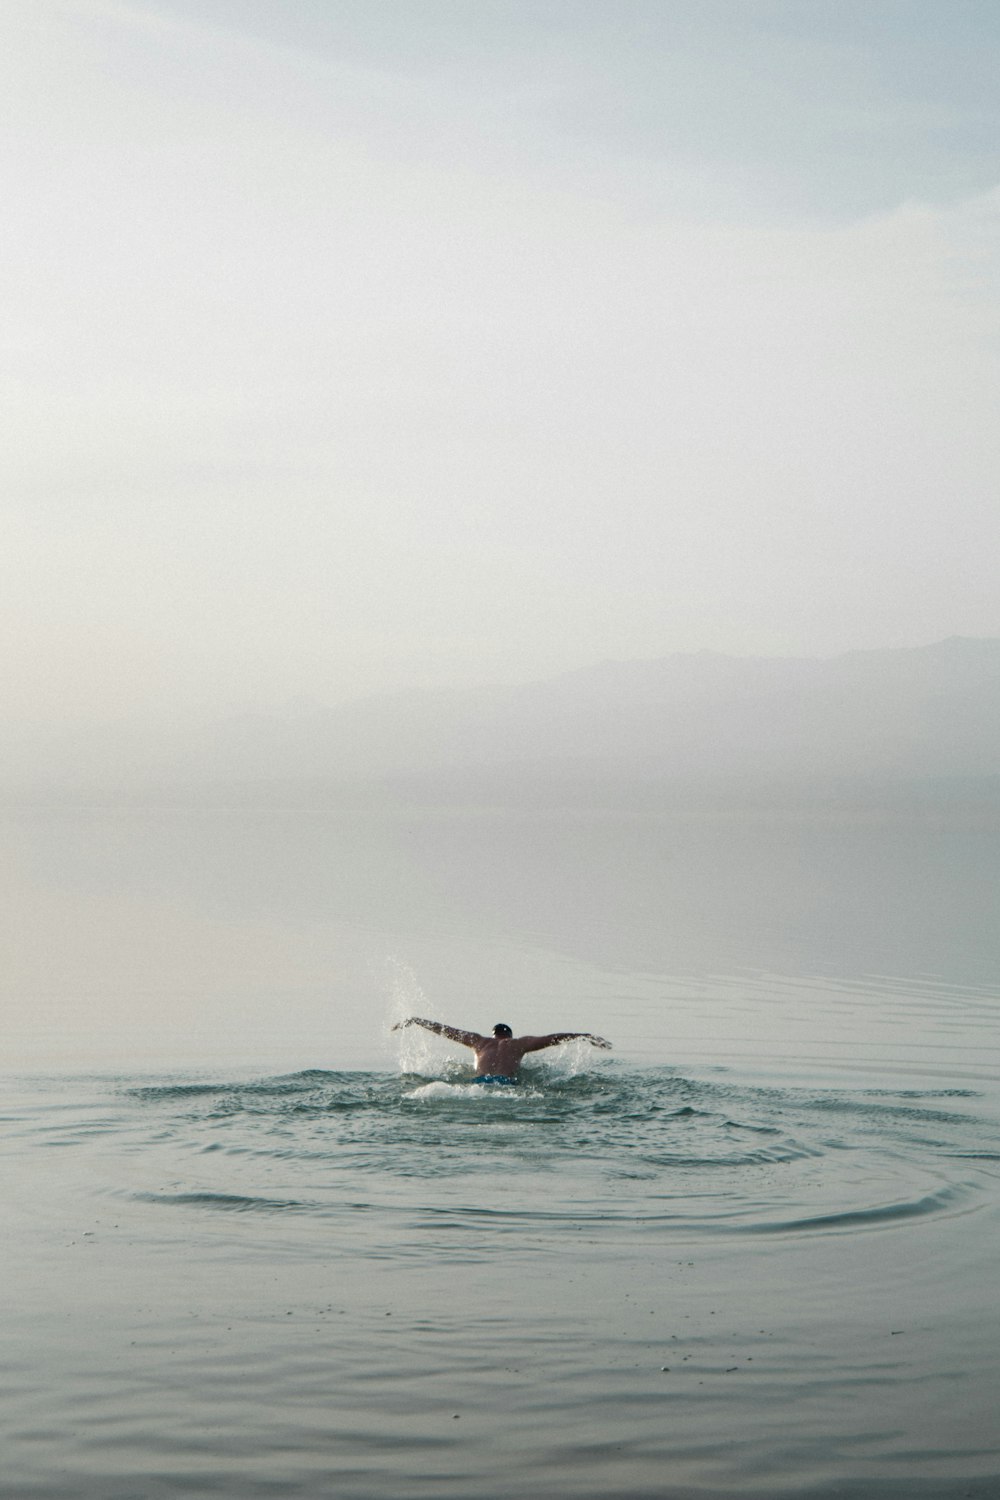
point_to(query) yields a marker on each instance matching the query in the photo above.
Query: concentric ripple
(665, 1152)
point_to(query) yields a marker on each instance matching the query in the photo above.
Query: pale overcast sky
(352, 344)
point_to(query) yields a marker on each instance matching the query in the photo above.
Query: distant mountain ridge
(930, 711)
(909, 715)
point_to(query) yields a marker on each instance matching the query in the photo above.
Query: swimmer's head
(500, 1029)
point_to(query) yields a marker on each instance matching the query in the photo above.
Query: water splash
(440, 1089)
(569, 1060)
(416, 1051)
(431, 1056)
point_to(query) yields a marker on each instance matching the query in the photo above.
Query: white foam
(439, 1089)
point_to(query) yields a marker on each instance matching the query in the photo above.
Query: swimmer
(498, 1057)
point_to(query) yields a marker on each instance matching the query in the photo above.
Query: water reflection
(220, 924)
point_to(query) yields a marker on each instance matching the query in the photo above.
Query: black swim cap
(501, 1029)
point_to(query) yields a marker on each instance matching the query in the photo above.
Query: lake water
(256, 1245)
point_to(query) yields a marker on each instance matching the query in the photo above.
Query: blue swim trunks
(493, 1078)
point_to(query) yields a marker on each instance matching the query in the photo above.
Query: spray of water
(415, 1050)
(429, 1056)
(568, 1060)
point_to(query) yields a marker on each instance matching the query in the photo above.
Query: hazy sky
(355, 343)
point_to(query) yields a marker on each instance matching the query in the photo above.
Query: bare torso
(500, 1056)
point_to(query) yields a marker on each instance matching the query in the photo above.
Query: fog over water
(187, 933)
(356, 349)
(258, 1245)
(500, 524)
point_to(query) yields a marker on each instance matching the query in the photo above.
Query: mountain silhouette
(922, 712)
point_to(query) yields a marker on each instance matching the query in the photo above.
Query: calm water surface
(753, 1253)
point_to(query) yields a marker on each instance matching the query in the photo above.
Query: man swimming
(498, 1057)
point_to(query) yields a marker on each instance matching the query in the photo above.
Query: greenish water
(751, 1253)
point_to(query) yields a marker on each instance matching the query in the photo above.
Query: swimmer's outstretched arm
(464, 1038)
(536, 1043)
